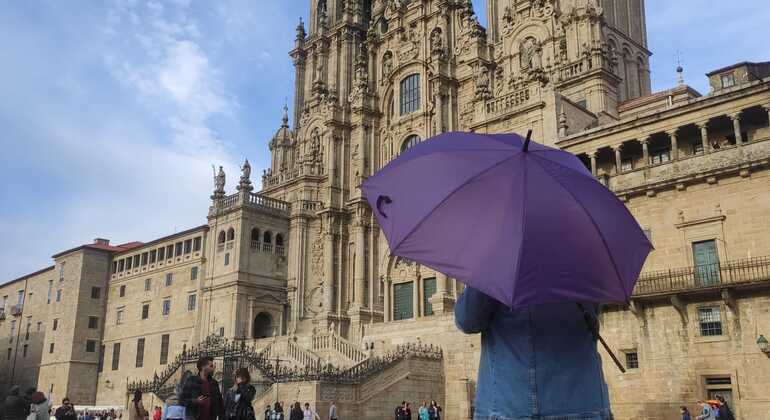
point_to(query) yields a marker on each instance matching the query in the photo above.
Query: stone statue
(436, 42)
(219, 180)
(246, 170)
(387, 64)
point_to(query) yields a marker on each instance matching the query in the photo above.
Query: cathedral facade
(301, 272)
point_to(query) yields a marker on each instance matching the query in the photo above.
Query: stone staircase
(338, 350)
(298, 356)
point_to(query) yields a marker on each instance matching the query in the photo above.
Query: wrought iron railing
(747, 270)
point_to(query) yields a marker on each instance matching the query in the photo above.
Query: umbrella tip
(526, 140)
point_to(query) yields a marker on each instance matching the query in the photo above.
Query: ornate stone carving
(436, 42)
(482, 82)
(219, 184)
(245, 182)
(387, 65)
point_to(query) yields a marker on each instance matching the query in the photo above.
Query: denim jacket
(538, 362)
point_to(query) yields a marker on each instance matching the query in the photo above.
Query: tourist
(136, 409)
(277, 413)
(238, 398)
(434, 410)
(40, 405)
(156, 413)
(174, 410)
(422, 412)
(685, 413)
(706, 413)
(725, 412)
(16, 406)
(333, 412)
(88, 416)
(521, 349)
(296, 412)
(399, 411)
(200, 393)
(27, 396)
(309, 414)
(65, 412)
(269, 413)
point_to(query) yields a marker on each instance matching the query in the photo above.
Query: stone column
(618, 159)
(416, 297)
(386, 304)
(592, 156)
(645, 151)
(674, 145)
(250, 323)
(359, 278)
(442, 301)
(328, 292)
(439, 109)
(736, 117)
(766, 107)
(704, 136)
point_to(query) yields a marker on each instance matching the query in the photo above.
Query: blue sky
(112, 113)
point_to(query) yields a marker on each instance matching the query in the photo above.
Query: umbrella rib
(596, 227)
(523, 227)
(464, 183)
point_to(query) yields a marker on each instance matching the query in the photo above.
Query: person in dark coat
(200, 394)
(16, 406)
(296, 412)
(725, 412)
(66, 411)
(238, 398)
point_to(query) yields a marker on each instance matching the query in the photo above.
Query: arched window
(221, 238)
(410, 94)
(410, 141)
(267, 237)
(230, 234)
(278, 239)
(254, 237)
(263, 325)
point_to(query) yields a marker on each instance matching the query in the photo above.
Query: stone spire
(245, 182)
(301, 30)
(285, 118)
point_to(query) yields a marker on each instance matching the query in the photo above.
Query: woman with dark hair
(725, 412)
(434, 410)
(136, 410)
(277, 412)
(238, 398)
(296, 412)
(685, 413)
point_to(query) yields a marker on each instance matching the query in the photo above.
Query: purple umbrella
(524, 223)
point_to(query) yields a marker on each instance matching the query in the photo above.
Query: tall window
(122, 291)
(115, 356)
(140, 352)
(169, 251)
(96, 293)
(55, 324)
(710, 321)
(136, 261)
(20, 300)
(230, 234)
(166, 306)
(119, 317)
(164, 339)
(410, 141)
(403, 307)
(24, 351)
(221, 237)
(410, 94)
(169, 279)
(153, 256)
(178, 249)
(58, 295)
(147, 285)
(197, 244)
(145, 258)
(194, 273)
(51, 347)
(188, 246)
(728, 80)
(90, 346)
(93, 322)
(227, 259)
(61, 272)
(50, 290)
(161, 254)
(145, 311)
(191, 302)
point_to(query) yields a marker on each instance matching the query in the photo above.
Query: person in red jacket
(156, 414)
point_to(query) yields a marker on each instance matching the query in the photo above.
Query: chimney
(101, 241)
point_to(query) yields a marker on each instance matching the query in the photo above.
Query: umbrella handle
(593, 326)
(380, 200)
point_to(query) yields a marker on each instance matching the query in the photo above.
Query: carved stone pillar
(736, 118)
(645, 151)
(704, 136)
(674, 144)
(592, 156)
(359, 279)
(387, 305)
(328, 291)
(442, 301)
(618, 159)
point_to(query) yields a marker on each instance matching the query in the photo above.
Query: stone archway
(263, 326)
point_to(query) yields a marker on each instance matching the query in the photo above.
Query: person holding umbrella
(552, 245)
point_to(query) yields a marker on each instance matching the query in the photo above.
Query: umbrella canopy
(525, 224)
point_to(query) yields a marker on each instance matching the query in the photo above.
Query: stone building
(300, 272)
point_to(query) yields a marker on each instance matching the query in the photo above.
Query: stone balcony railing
(690, 168)
(742, 272)
(299, 170)
(250, 199)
